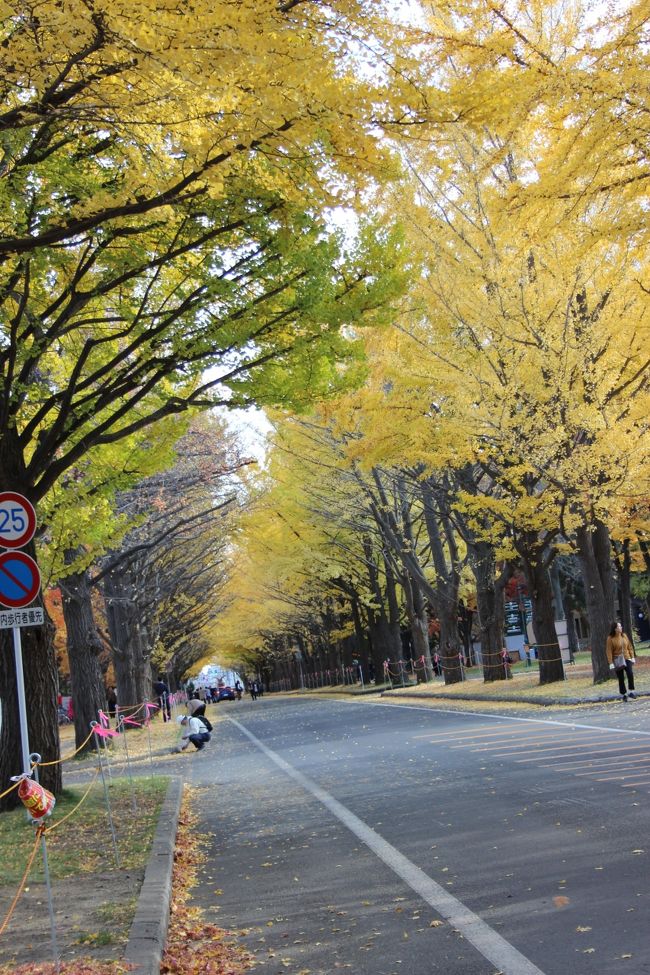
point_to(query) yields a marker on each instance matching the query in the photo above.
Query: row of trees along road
(165, 245)
(164, 188)
(504, 419)
(161, 583)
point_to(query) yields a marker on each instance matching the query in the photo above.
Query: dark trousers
(199, 740)
(629, 669)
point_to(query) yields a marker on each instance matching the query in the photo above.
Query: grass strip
(83, 845)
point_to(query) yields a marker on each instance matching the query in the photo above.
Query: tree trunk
(551, 668)
(84, 648)
(362, 639)
(393, 608)
(465, 616)
(556, 583)
(447, 584)
(570, 626)
(384, 647)
(624, 566)
(489, 608)
(41, 690)
(119, 615)
(417, 617)
(599, 599)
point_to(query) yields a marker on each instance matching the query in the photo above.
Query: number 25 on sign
(17, 520)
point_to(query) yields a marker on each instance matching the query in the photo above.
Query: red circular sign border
(31, 520)
(27, 599)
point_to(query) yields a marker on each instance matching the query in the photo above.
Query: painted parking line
(609, 769)
(626, 773)
(517, 742)
(560, 764)
(619, 752)
(485, 939)
(551, 747)
(501, 717)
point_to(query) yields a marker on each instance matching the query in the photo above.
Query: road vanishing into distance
(396, 839)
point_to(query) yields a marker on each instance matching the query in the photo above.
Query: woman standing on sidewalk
(621, 659)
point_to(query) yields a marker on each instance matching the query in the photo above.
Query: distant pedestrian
(238, 689)
(252, 690)
(621, 659)
(507, 663)
(111, 700)
(162, 693)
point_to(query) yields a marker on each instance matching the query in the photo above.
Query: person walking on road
(621, 659)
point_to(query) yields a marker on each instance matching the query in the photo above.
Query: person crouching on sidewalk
(193, 731)
(621, 659)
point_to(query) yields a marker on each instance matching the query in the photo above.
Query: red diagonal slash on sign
(20, 579)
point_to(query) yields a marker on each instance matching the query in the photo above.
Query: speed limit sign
(17, 520)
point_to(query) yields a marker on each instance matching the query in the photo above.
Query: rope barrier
(56, 825)
(66, 758)
(21, 887)
(10, 789)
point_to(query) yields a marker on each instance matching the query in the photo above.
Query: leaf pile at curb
(195, 948)
(77, 967)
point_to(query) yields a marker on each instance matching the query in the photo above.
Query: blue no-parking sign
(20, 579)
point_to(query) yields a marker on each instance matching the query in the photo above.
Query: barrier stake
(150, 752)
(128, 764)
(34, 758)
(116, 855)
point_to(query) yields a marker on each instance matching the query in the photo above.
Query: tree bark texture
(84, 648)
(121, 618)
(418, 623)
(489, 608)
(41, 690)
(624, 570)
(599, 595)
(446, 561)
(551, 668)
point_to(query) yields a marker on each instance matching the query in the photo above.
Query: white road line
(488, 942)
(503, 717)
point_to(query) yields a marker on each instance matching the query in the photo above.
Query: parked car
(226, 694)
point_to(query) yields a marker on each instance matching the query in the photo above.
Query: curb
(148, 932)
(519, 699)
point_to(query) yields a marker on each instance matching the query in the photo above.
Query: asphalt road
(385, 839)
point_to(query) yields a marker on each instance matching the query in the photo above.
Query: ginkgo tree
(579, 71)
(523, 358)
(310, 544)
(164, 190)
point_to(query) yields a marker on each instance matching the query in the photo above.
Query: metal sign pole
(35, 758)
(22, 704)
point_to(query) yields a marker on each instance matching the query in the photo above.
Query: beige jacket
(619, 644)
